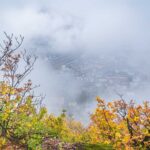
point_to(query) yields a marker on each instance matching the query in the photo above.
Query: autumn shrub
(22, 116)
(24, 121)
(124, 125)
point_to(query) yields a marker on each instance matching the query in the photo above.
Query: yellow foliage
(121, 124)
(116, 123)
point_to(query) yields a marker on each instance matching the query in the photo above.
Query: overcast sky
(92, 27)
(93, 24)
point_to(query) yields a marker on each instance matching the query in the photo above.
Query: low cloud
(85, 48)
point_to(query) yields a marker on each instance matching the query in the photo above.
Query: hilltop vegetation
(26, 124)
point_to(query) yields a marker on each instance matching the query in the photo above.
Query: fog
(85, 48)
